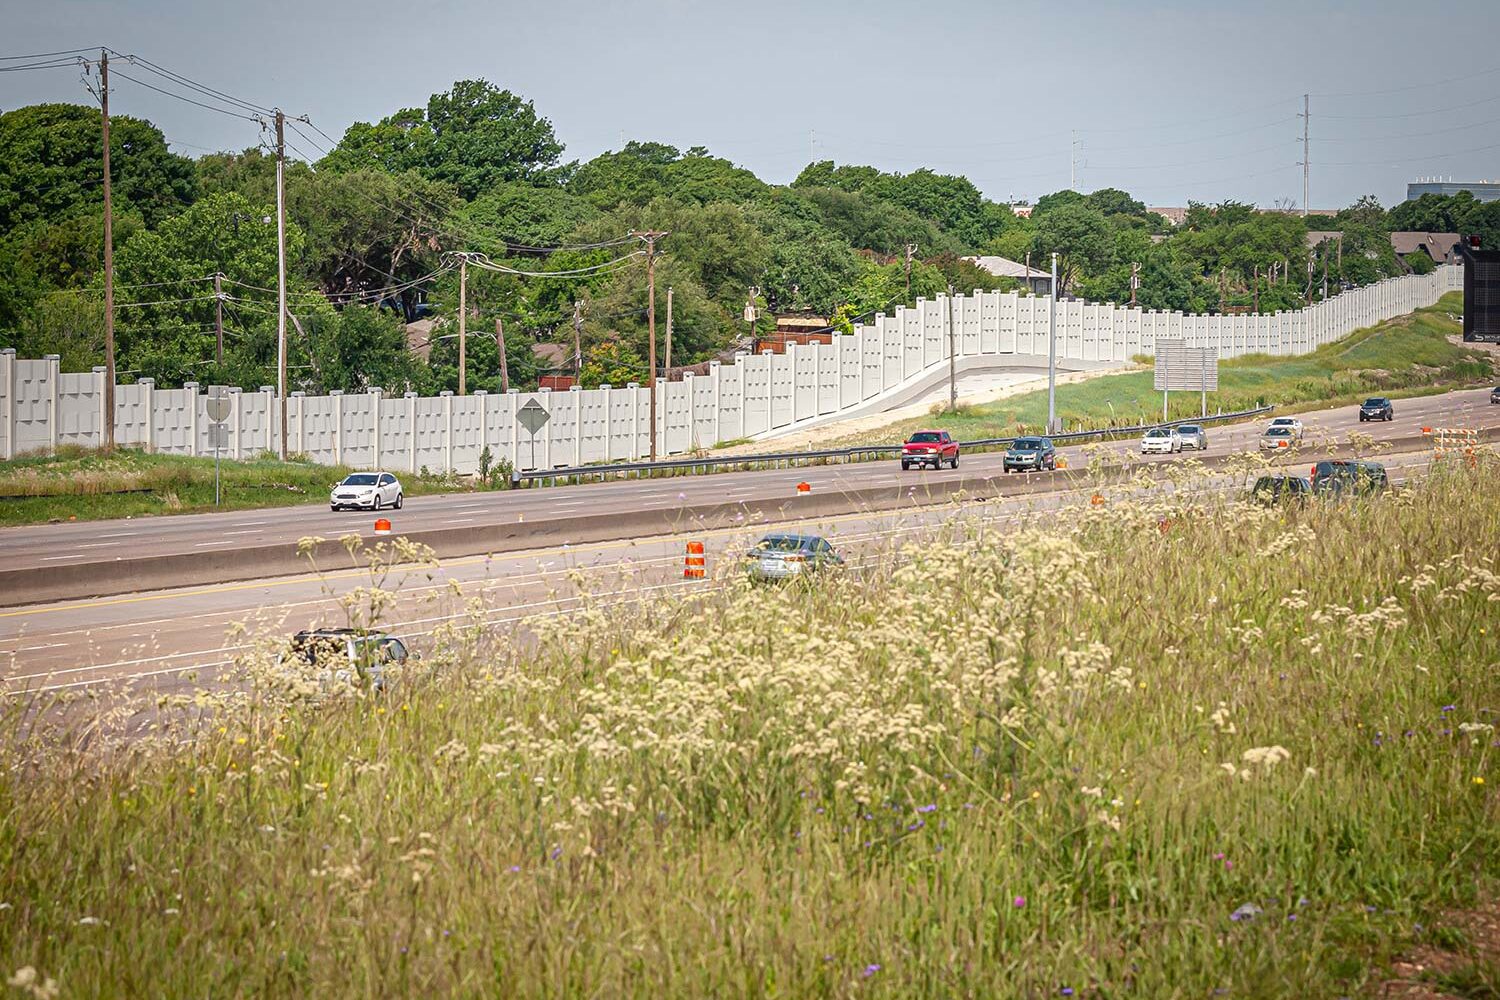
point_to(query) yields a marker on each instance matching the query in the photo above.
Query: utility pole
(650, 238)
(812, 148)
(952, 356)
(1135, 281)
(1306, 149)
(668, 365)
(500, 343)
(1073, 162)
(109, 266)
(911, 250)
(578, 341)
(1052, 352)
(463, 328)
(281, 272)
(218, 319)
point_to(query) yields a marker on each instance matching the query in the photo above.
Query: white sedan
(366, 491)
(1161, 441)
(1290, 423)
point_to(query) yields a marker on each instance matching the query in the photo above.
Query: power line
(47, 55)
(192, 84)
(188, 100)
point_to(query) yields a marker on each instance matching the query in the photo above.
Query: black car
(1030, 454)
(1495, 394)
(1272, 490)
(1340, 477)
(1376, 408)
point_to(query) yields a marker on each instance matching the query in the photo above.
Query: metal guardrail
(858, 453)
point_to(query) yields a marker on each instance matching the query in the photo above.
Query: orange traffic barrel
(382, 526)
(694, 564)
(804, 487)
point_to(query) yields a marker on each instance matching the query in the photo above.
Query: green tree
(474, 136)
(1079, 235)
(644, 171)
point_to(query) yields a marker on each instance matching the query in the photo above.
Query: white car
(1279, 437)
(1291, 423)
(1161, 441)
(345, 656)
(366, 491)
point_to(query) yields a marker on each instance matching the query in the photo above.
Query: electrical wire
(48, 55)
(188, 100)
(192, 84)
(54, 64)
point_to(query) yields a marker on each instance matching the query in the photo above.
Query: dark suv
(1376, 408)
(1030, 454)
(1495, 394)
(1269, 491)
(1338, 477)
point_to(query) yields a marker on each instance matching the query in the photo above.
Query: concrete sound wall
(755, 396)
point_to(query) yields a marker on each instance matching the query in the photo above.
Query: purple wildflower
(871, 969)
(1018, 902)
(1449, 708)
(929, 808)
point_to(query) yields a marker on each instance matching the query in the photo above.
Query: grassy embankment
(1145, 751)
(89, 485)
(1406, 356)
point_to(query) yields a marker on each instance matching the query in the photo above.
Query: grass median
(1406, 356)
(1152, 748)
(86, 485)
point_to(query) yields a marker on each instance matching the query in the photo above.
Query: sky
(1171, 101)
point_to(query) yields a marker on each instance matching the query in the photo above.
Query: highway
(172, 639)
(103, 542)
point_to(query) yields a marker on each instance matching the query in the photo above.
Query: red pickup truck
(929, 448)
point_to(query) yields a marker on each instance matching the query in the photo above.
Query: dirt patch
(1465, 964)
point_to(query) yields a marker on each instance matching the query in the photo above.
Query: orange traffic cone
(804, 487)
(694, 563)
(382, 526)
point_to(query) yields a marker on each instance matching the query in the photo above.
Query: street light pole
(1052, 353)
(952, 357)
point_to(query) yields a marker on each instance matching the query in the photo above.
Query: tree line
(372, 215)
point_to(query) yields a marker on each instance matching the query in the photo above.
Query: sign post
(219, 405)
(533, 417)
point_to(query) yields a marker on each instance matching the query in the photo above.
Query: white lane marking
(121, 534)
(50, 645)
(247, 531)
(459, 520)
(249, 524)
(95, 545)
(205, 545)
(56, 558)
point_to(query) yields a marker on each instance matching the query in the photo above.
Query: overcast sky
(1171, 100)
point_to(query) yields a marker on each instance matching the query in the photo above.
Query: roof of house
(1439, 246)
(552, 355)
(1317, 237)
(1003, 267)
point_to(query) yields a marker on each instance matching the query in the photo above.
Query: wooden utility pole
(578, 341)
(1256, 293)
(218, 319)
(463, 324)
(911, 249)
(650, 238)
(1135, 281)
(281, 273)
(500, 343)
(668, 364)
(109, 265)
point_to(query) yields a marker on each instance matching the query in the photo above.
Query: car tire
(905, 466)
(954, 463)
(334, 508)
(378, 503)
(399, 500)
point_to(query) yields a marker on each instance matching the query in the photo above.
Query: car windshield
(780, 543)
(924, 437)
(360, 479)
(1377, 401)
(1158, 433)
(1187, 429)
(1278, 432)
(1027, 444)
(1283, 422)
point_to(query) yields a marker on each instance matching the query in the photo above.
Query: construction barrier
(1455, 441)
(694, 564)
(382, 526)
(804, 487)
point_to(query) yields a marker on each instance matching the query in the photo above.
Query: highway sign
(219, 403)
(1194, 369)
(533, 416)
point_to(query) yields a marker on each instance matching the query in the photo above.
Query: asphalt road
(102, 542)
(173, 640)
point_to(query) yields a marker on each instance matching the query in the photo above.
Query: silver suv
(347, 656)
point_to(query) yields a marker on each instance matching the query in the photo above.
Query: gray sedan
(790, 556)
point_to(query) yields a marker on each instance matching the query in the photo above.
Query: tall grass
(1149, 750)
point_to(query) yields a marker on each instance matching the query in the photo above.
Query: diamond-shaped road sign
(533, 416)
